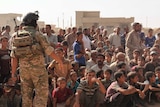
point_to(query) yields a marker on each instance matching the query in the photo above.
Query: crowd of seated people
(121, 69)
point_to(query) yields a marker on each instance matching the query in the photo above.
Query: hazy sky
(144, 11)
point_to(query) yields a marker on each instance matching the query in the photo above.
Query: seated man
(90, 92)
(107, 78)
(119, 92)
(157, 72)
(137, 98)
(154, 89)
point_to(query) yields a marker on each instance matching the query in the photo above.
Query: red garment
(61, 95)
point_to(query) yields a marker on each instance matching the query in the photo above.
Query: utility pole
(63, 20)
(71, 21)
(146, 21)
(58, 22)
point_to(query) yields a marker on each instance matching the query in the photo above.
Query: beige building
(89, 18)
(8, 19)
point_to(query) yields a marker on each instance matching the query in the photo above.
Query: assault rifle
(15, 24)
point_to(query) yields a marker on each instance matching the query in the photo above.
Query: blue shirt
(149, 42)
(77, 50)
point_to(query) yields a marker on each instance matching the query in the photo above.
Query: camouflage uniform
(33, 74)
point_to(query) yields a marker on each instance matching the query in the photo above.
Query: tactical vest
(25, 43)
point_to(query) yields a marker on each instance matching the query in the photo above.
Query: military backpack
(26, 43)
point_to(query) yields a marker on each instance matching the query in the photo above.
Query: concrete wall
(7, 19)
(89, 18)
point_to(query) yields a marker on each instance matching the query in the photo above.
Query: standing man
(70, 38)
(78, 49)
(51, 37)
(86, 40)
(33, 74)
(133, 41)
(124, 36)
(53, 40)
(115, 38)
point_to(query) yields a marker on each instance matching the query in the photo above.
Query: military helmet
(30, 17)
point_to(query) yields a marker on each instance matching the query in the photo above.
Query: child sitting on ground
(154, 89)
(81, 73)
(139, 70)
(138, 99)
(73, 83)
(119, 93)
(5, 60)
(75, 66)
(107, 78)
(61, 70)
(100, 75)
(61, 93)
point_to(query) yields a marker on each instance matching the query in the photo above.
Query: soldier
(29, 56)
